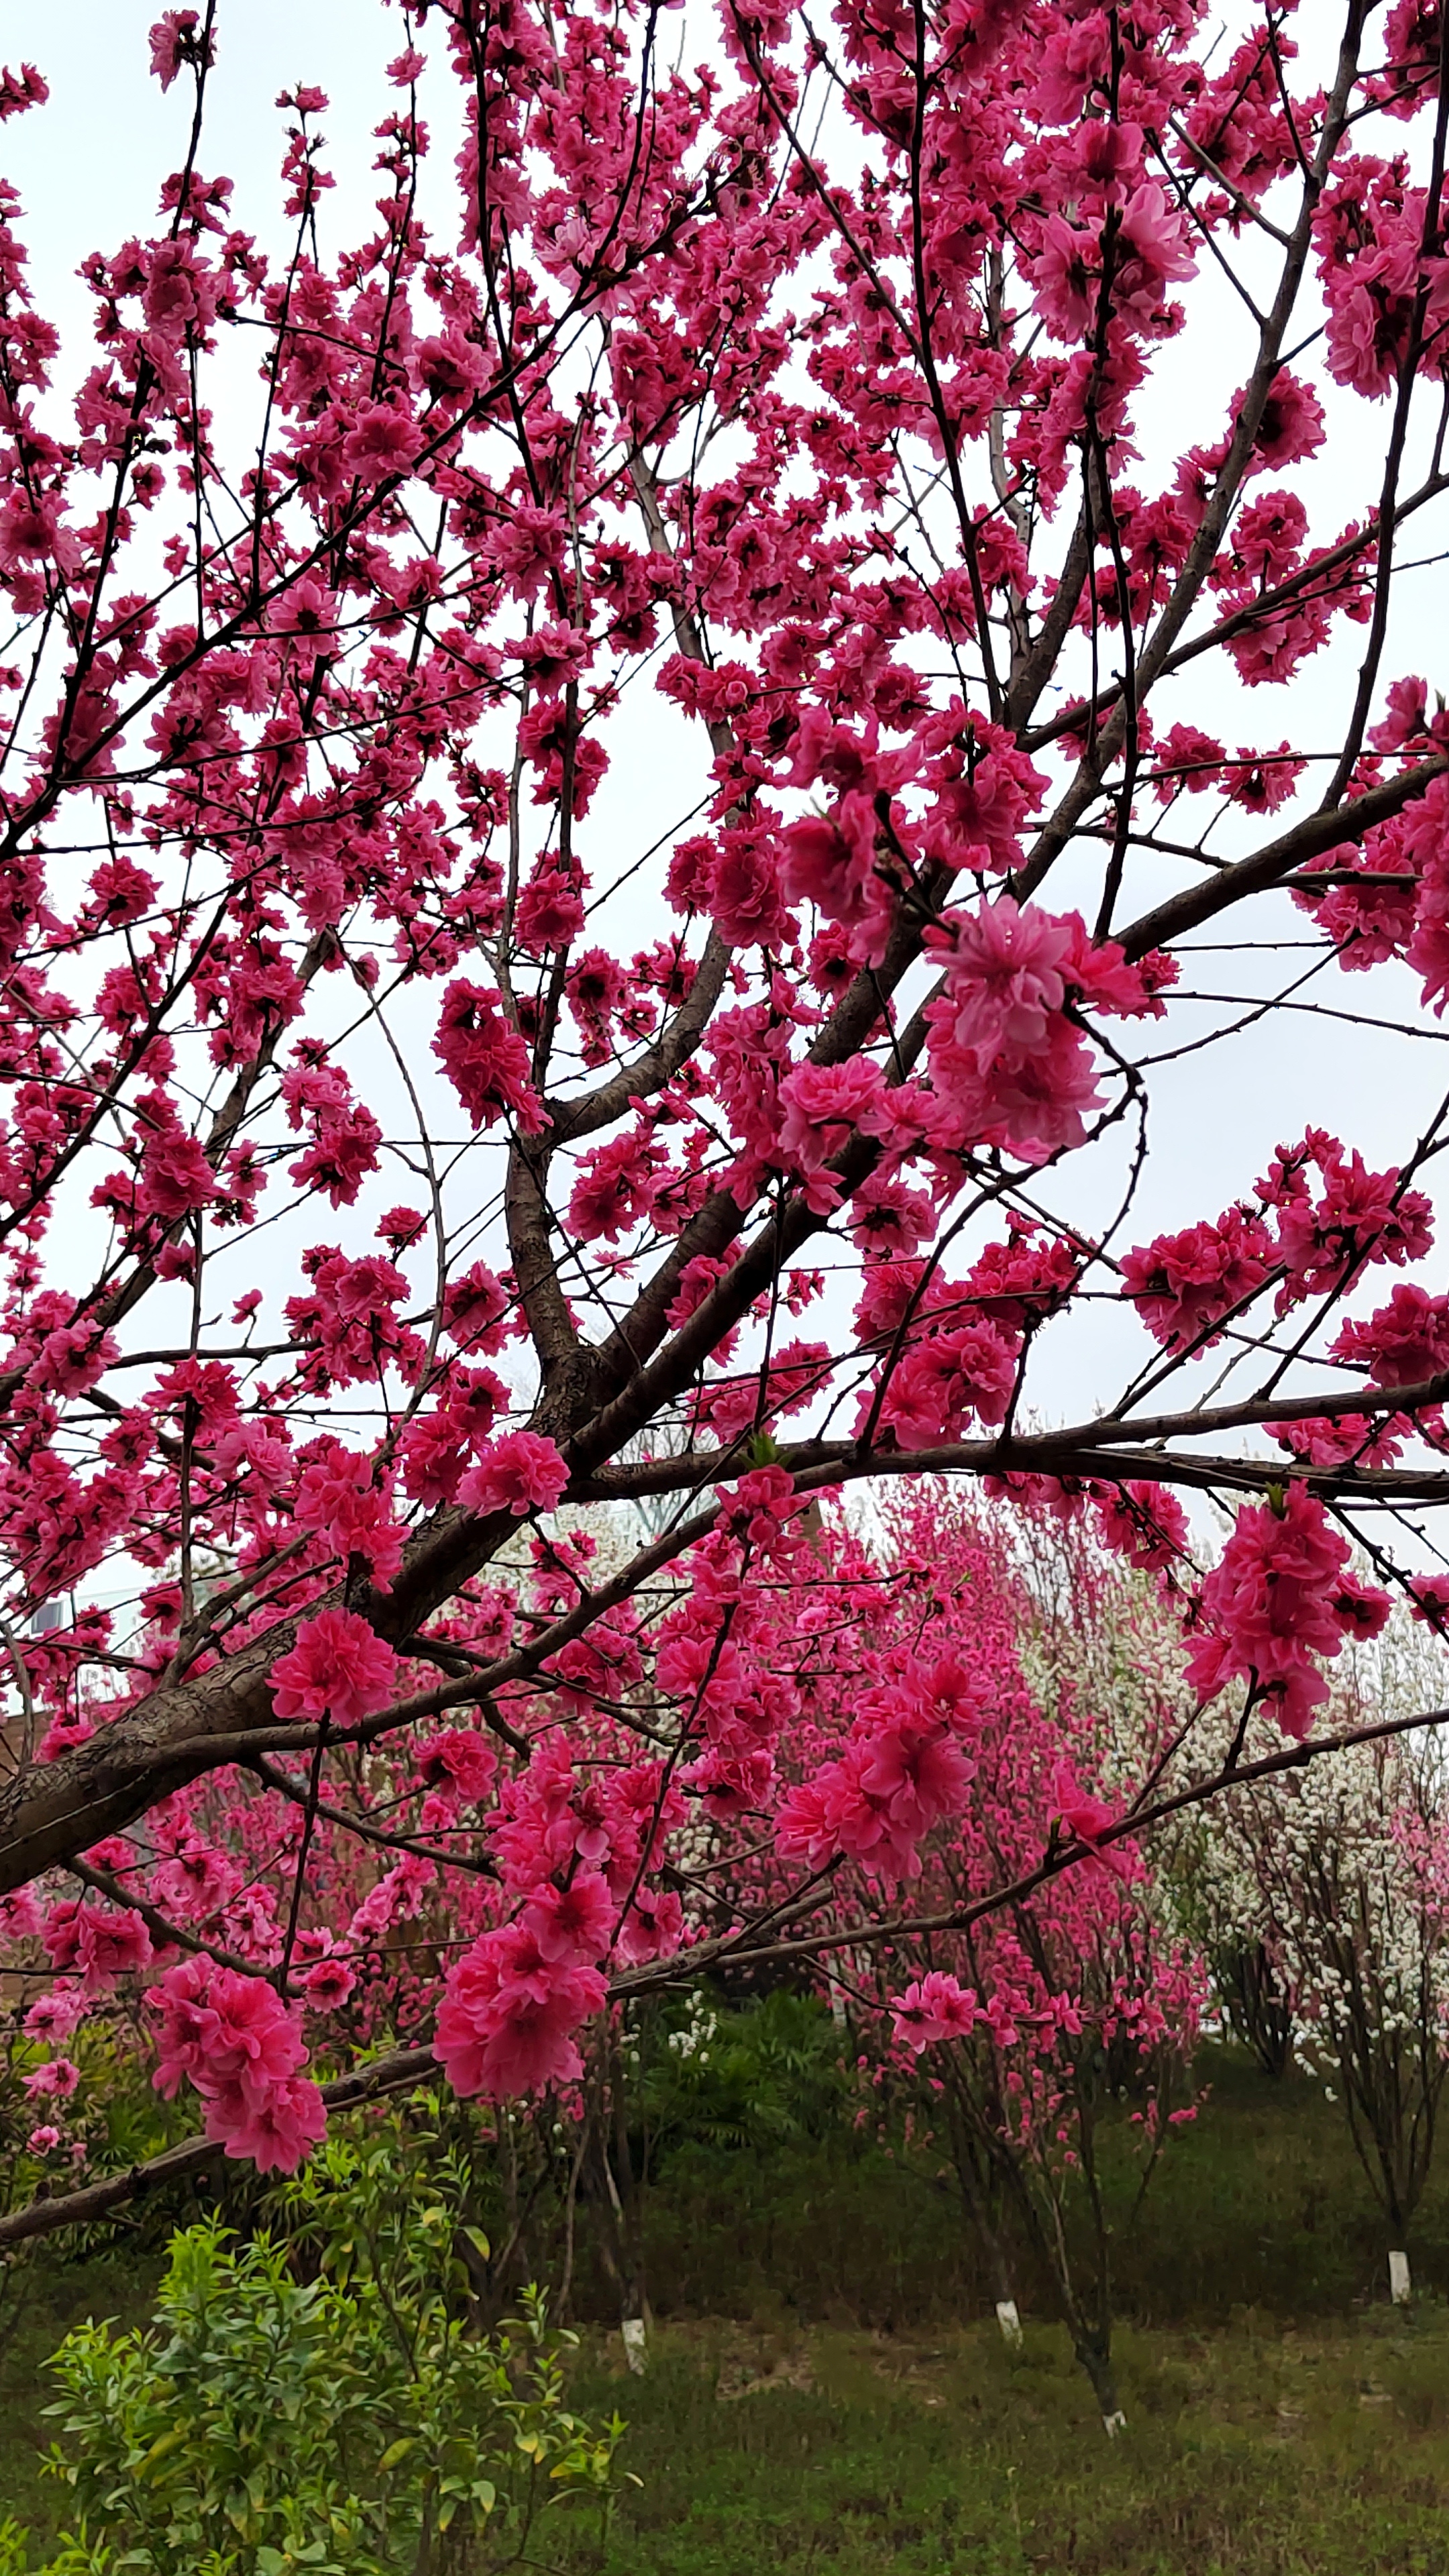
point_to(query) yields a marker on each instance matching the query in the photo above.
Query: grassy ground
(1248, 2452)
(826, 2395)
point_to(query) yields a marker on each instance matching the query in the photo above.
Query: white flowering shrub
(1324, 1893)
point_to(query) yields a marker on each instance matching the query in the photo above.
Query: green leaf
(166, 2443)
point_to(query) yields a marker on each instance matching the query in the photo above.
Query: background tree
(1336, 1880)
(1027, 2028)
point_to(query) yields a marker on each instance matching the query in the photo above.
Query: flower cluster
(233, 2039)
(1279, 1598)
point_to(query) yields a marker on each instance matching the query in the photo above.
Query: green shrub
(752, 2077)
(348, 2425)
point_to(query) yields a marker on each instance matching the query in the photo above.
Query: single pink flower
(274, 2130)
(520, 1473)
(338, 1668)
(55, 2081)
(572, 1922)
(934, 2007)
(1083, 1815)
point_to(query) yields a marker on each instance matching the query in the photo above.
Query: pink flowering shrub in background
(1007, 2027)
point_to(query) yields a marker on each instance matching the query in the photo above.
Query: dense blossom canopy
(399, 1156)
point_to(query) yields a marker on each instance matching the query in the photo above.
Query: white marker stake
(1399, 2290)
(1009, 2322)
(636, 2345)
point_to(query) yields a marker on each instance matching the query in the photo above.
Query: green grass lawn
(828, 2393)
(1248, 2452)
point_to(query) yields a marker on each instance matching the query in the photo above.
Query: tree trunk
(999, 2274)
(1096, 2361)
(993, 2252)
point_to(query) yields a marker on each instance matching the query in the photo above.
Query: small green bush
(347, 2425)
(752, 2077)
